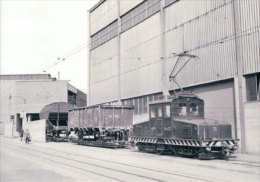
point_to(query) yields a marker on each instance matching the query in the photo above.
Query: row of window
(168, 2)
(140, 13)
(104, 35)
(141, 103)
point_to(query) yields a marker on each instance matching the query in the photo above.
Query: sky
(35, 33)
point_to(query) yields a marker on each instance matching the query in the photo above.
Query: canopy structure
(56, 114)
(56, 107)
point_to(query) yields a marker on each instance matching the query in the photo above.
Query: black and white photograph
(129, 90)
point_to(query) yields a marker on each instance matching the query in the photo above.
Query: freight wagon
(101, 125)
(178, 125)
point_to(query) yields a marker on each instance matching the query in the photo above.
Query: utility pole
(58, 116)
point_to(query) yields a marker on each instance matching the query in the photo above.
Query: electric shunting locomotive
(178, 125)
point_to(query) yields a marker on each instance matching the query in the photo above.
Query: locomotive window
(183, 109)
(153, 112)
(159, 112)
(193, 109)
(167, 111)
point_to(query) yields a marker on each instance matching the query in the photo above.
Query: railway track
(115, 168)
(94, 164)
(230, 162)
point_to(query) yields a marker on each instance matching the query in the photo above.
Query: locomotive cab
(188, 106)
(177, 117)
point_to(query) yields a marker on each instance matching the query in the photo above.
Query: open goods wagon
(177, 125)
(101, 125)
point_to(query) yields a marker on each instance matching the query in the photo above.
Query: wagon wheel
(226, 153)
(160, 152)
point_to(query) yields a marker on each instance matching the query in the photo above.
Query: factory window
(140, 13)
(145, 105)
(156, 97)
(150, 98)
(253, 87)
(33, 116)
(153, 6)
(168, 2)
(141, 104)
(104, 35)
(140, 109)
(136, 105)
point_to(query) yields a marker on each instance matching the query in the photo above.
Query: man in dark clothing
(21, 134)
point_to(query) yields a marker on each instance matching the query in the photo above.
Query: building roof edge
(96, 6)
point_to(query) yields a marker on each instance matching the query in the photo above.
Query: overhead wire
(84, 45)
(87, 43)
(65, 57)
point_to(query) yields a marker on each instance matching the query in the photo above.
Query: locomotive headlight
(208, 149)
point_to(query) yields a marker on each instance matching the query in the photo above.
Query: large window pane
(251, 87)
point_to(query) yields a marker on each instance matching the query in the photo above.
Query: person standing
(21, 134)
(27, 136)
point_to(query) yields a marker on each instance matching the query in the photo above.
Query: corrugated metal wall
(205, 31)
(103, 73)
(250, 35)
(140, 59)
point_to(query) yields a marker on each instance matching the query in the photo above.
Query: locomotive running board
(188, 142)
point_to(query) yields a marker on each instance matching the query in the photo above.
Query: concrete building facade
(24, 96)
(134, 46)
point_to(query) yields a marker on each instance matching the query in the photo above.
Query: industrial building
(134, 46)
(24, 96)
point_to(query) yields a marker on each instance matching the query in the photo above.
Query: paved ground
(69, 162)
